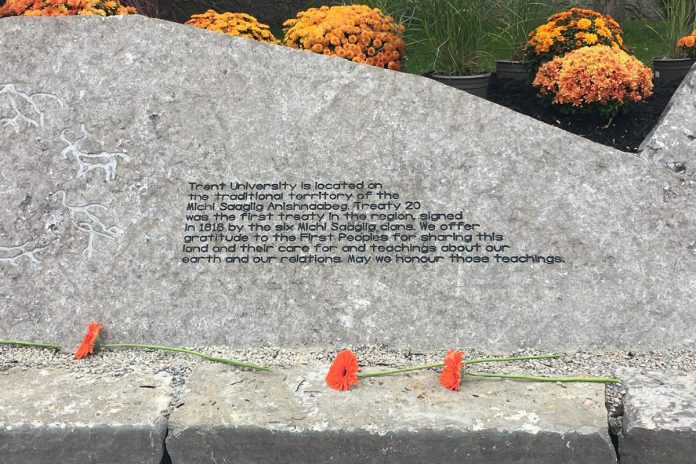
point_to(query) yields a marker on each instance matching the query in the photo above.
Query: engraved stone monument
(186, 187)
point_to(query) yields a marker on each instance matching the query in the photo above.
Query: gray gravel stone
(58, 416)
(290, 416)
(673, 141)
(659, 422)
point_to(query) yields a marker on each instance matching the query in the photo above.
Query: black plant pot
(671, 69)
(515, 70)
(475, 85)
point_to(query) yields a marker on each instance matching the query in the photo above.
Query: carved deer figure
(86, 161)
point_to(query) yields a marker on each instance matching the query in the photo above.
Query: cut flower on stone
(451, 375)
(90, 341)
(343, 371)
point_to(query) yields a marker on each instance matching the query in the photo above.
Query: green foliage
(679, 19)
(455, 31)
(518, 19)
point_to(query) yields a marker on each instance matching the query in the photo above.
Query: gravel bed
(122, 361)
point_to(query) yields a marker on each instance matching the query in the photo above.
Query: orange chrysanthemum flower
(353, 32)
(89, 340)
(451, 375)
(343, 371)
(236, 24)
(570, 30)
(599, 79)
(64, 8)
(688, 44)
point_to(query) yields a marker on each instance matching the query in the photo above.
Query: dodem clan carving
(18, 252)
(25, 109)
(86, 161)
(84, 219)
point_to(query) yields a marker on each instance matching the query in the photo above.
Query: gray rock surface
(290, 416)
(659, 422)
(92, 222)
(673, 141)
(53, 415)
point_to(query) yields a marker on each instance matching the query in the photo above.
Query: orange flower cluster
(237, 24)
(64, 8)
(354, 32)
(600, 79)
(688, 44)
(570, 30)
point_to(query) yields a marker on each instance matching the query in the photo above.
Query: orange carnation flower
(451, 375)
(89, 340)
(343, 371)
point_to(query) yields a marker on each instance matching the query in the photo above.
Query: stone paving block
(289, 416)
(62, 417)
(659, 422)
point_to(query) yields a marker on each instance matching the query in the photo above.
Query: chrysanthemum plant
(571, 30)
(65, 8)
(597, 79)
(236, 24)
(402, 11)
(688, 44)
(355, 32)
(345, 372)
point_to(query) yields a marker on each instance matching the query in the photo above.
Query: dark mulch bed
(626, 131)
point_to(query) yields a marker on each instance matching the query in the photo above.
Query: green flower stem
(514, 358)
(544, 379)
(440, 364)
(230, 362)
(399, 371)
(31, 344)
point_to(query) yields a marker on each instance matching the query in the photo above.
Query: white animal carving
(20, 251)
(85, 220)
(19, 101)
(87, 162)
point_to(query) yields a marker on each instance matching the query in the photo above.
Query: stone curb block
(58, 416)
(291, 417)
(659, 423)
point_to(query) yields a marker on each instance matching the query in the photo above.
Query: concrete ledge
(659, 424)
(66, 417)
(291, 417)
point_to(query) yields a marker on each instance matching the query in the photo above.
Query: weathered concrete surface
(290, 416)
(659, 422)
(62, 417)
(673, 141)
(93, 225)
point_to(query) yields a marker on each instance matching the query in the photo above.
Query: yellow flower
(584, 23)
(590, 39)
(604, 32)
